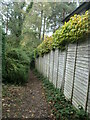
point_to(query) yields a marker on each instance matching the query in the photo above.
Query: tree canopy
(24, 27)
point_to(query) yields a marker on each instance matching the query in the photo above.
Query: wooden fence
(69, 70)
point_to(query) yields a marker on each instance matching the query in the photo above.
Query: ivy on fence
(72, 31)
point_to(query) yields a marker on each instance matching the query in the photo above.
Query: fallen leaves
(24, 101)
(32, 115)
(33, 97)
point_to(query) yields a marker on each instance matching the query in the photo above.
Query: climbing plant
(45, 46)
(72, 31)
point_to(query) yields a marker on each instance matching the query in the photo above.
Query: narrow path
(25, 101)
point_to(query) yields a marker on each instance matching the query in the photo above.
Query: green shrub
(16, 67)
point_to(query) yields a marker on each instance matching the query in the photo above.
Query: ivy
(72, 31)
(61, 108)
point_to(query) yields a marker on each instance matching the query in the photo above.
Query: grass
(62, 109)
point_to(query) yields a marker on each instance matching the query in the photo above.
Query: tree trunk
(41, 25)
(63, 13)
(40, 34)
(55, 25)
(44, 27)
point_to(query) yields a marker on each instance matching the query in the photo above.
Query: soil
(27, 101)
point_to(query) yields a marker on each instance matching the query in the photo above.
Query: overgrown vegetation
(17, 60)
(17, 63)
(72, 31)
(62, 109)
(17, 48)
(24, 26)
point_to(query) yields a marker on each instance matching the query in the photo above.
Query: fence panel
(69, 73)
(51, 66)
(61, 67)
(55, 69)
(88, 101)
(81, 76)
(47, 65)
(40, 64)
(44, 66)
(37, 63)
(71, 67)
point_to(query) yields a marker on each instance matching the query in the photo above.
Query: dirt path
(25, 102)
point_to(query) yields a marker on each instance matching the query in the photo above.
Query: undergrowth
(62, 109)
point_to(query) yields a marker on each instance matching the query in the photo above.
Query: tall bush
(17, 65)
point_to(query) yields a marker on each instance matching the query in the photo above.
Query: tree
(16, 19)
(59, 11)
(13, 17)
(36, 18)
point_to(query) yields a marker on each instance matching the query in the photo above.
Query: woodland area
(24, 27)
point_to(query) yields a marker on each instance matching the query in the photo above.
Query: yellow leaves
(8, 110)
(42, 93)
(32, 115)
(86, 13)
(33, 97)
(45, 46)
(71, 31)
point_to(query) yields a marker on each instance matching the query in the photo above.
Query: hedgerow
(71, 32)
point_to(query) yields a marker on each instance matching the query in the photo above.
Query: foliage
(29, 7)
(61, 108)
(17, 47)
(45, 47)
(16, 20)
(59, 11)
(17, 63)
(44, 17)
(32, 61)
(12, 17)
(19, 57)
(3, 52)
(36, 12)
(72, 31)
